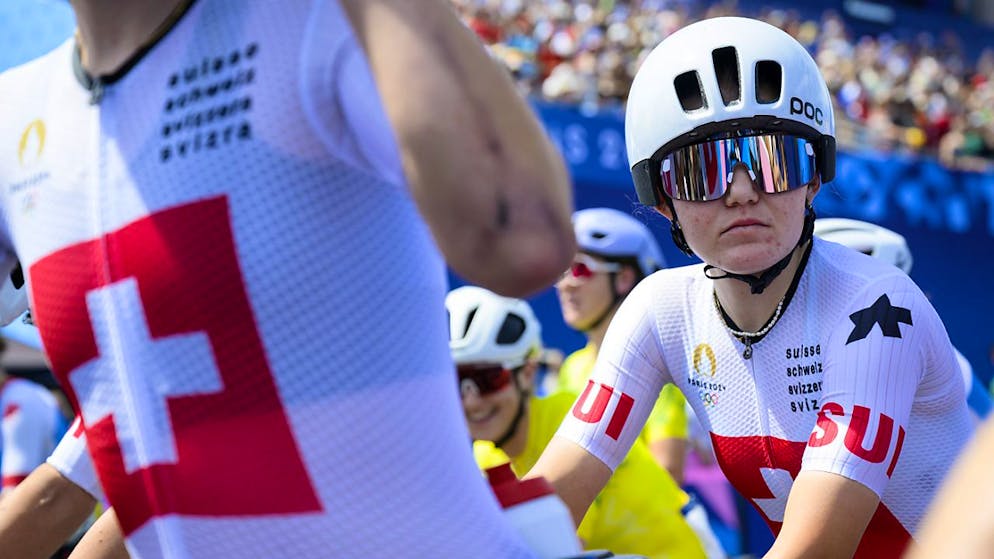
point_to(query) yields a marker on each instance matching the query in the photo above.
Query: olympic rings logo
(708, 398)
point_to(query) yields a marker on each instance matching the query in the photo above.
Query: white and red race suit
(857, 378)
(234, 284)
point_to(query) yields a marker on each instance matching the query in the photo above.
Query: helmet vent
(511, 330)
(17, 276)
(769, 81)
(598, 234)
(689, 91)
(469, 320)
(726, 69)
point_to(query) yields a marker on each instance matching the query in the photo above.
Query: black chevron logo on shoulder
(880, 312)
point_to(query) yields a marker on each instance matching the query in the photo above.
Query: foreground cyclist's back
(234, 283)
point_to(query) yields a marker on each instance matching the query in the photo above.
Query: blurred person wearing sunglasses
(824, 376)
(615, 252)
(173, 154)
(495, 342)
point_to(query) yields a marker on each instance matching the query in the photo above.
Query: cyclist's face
(746, 231)
(489, 415)
(584, 299)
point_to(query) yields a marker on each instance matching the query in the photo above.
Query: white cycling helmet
(720, 76)
(13, 294)
(614, 234)
(487, 328)
(868, 238)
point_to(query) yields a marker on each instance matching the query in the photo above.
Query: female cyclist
(824, 376)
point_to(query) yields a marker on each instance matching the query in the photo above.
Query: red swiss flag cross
(763, 469)
(151, 327)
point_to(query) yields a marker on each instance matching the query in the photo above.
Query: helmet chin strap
(615, 299)
(759, 281)
(516, 422)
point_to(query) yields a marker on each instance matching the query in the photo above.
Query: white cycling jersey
(857, 378)
(232, 280)
(27, 428)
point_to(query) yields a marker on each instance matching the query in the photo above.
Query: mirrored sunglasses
(584, 267)
(702, 172)
(483, 379)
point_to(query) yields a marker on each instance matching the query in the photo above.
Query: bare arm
(825, 518)
(575, 474)
(493, 190)
(102, 541)
(960, 522)
(41, 513)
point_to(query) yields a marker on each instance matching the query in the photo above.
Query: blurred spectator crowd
(923, 95)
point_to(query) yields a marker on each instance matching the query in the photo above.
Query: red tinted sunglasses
(484, 379)
(584, 268)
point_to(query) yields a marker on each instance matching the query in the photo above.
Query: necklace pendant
(747, 353)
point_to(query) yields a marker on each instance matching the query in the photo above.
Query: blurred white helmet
(723, 75)
(614, 234)
(868, 238)
(487, 328)
(13, 294)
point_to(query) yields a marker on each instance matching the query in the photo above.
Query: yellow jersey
(637, 512)
(668, 419)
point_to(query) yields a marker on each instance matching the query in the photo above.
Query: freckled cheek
(785, 236)
(779, 239)
(697, 229)
(777, 249)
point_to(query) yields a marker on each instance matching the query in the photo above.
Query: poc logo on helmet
(799, 106)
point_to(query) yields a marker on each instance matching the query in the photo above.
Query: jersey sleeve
(72, 460)
(624, 386)
(27, 431)
(875, 365)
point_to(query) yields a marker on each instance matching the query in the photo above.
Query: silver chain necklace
(747, 337)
